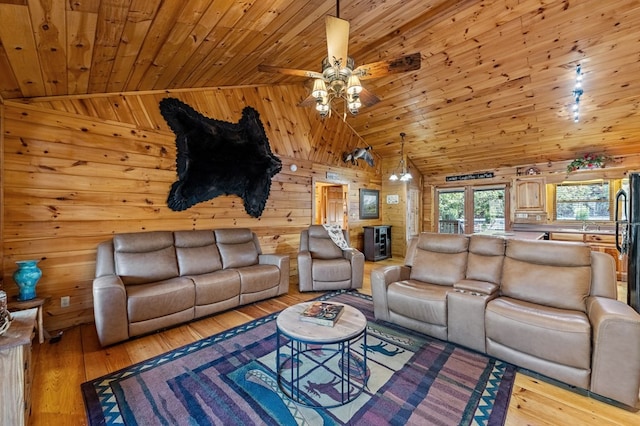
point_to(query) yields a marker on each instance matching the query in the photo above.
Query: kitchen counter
(520, 235)
(580, 231)
(567, 229)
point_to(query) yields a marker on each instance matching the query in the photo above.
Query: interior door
(334, 205)
(331, 204)
(413, 213)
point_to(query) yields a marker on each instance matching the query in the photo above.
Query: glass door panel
(451, 211)
(488, 210)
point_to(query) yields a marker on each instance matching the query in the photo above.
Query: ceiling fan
(340, 79)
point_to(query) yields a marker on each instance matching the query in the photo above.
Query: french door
(471, 209)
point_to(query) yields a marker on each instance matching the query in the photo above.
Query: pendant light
(404, 173)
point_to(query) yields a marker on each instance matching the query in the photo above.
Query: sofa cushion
(258, 278)
(486, 245)
(197, 252)
(486, 255)
(217, 286)
(321, 246)
(145, 257)
(419, 301)
(233, 235)
(554, 274)
(158, 299)
(140, 242)
(557, 335)
(484, 268)
(237, 247)
(331, 270)
(443, 243)
(440, 259)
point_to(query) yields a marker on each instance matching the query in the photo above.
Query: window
(583, 201)
(471, 209)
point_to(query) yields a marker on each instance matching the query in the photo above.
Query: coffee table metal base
(312, 369)
(351, 379)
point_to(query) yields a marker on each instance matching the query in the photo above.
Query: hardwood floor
(61, 367)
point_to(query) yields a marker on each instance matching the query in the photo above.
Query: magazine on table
(322, 313)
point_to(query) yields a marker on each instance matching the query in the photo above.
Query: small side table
(19, 305)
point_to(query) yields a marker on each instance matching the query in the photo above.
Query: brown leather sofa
(147, 281)
(546, 306)
(323, 266)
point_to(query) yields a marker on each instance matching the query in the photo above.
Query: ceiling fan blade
(391, 66)
(367, 98)
(289, 71)
(337, 40)
(307, 102)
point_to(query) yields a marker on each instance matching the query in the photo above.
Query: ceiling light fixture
(577, 92)
(338, 82)
(404, 173)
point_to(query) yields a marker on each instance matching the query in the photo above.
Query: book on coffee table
(322, 313)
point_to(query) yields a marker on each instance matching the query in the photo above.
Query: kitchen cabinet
(605, 243)
(529, 200)
(377, 242)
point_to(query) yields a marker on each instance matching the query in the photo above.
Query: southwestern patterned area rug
(229, 379)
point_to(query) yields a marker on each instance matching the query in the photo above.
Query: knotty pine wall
(77, 170)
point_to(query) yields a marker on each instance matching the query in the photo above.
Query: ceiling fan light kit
(340, 78)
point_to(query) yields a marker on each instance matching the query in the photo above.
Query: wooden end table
(316, 352)
(20, 305)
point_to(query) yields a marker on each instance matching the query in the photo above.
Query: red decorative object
(588, 161)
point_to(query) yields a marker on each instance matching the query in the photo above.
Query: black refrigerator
(627, 218)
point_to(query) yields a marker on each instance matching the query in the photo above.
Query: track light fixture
(577, 92)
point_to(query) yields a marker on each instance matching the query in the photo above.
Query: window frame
(552, 197)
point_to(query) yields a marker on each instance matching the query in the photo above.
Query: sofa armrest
(110, 309)
(105, 263)
(282, 261)
(305, 280)
(615, 363)
(380, 280)
(476, 288)
(356, 258)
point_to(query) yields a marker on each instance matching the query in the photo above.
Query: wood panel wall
(77, 170)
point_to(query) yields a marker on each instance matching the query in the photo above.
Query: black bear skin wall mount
(219, 158)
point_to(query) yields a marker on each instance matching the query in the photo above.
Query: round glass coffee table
(319, 365)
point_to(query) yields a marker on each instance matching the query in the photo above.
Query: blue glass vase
(26, 277)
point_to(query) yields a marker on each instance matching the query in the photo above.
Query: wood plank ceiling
(494, 89)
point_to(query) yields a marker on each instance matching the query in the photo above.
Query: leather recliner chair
(323, 266)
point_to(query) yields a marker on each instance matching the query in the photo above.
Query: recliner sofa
(146, 281)
(546, 306)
